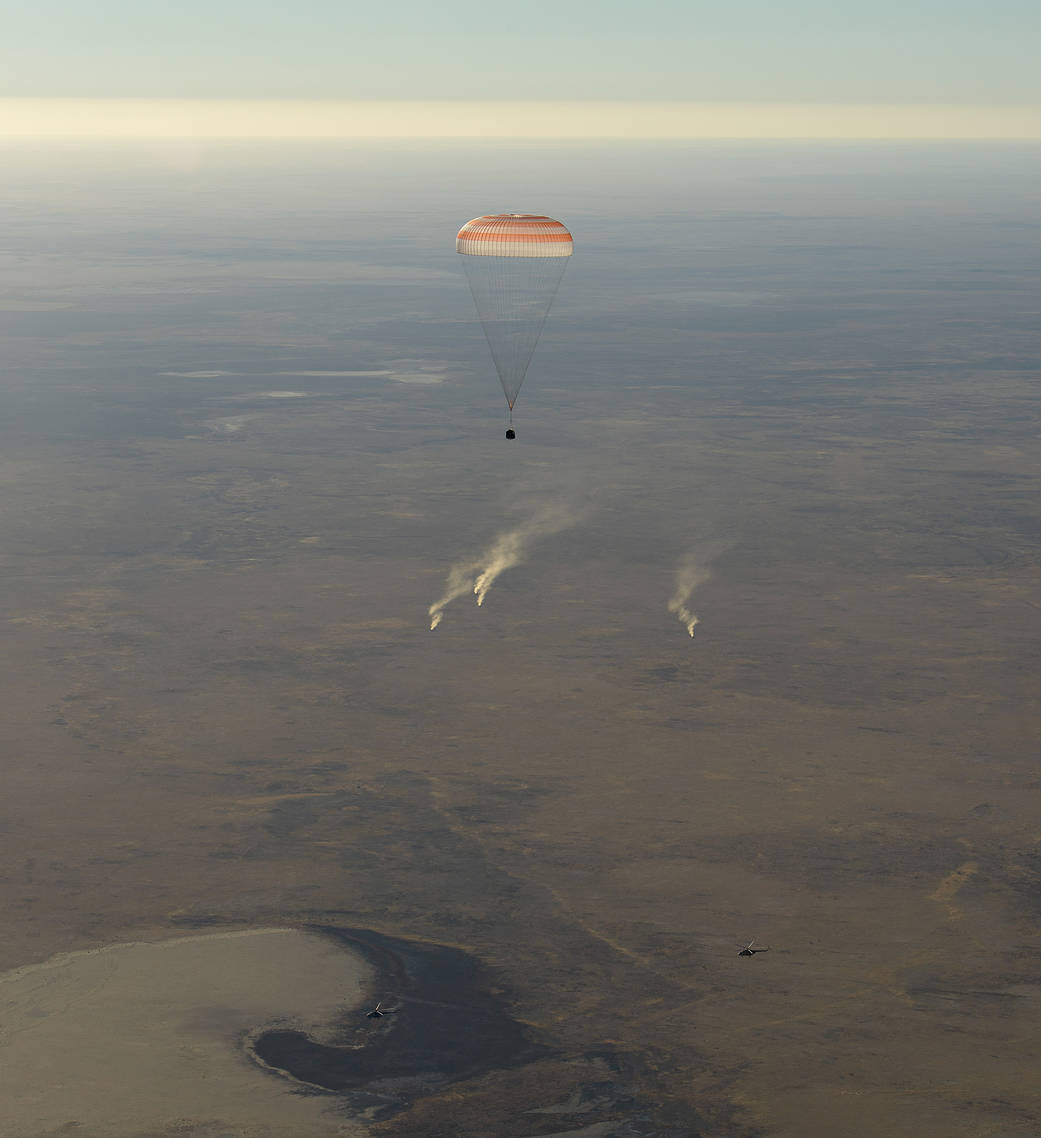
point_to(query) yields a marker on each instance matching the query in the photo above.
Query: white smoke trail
(508, 549)
(688, 576)
(503, 555)
(460, 581)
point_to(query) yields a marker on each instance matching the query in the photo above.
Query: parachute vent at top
(514, 235)
(514, 263)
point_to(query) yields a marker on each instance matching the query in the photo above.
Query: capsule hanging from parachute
(514, 263)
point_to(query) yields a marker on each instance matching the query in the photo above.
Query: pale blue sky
(900, 51)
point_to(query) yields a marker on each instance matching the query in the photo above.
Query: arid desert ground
(249, 428)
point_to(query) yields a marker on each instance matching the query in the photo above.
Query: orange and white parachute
(514, 262)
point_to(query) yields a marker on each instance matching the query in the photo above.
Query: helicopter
(748, 950)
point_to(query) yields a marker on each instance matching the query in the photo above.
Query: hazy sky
(896, 51)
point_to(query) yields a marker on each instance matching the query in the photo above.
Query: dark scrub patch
(447, 1059)
(443, 1023)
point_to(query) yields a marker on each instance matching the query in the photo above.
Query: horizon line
(128, 117)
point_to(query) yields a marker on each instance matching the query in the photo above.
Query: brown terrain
(225, 709)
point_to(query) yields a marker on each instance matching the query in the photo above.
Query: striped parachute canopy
(514, 262)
